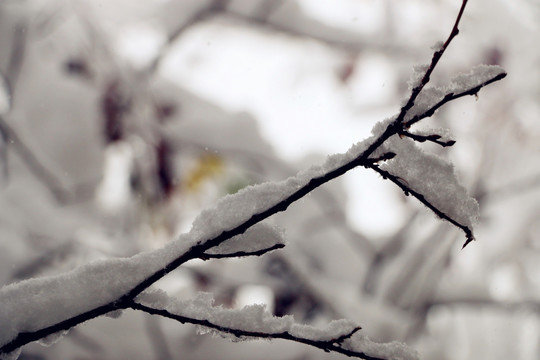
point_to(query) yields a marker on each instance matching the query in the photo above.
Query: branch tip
(435, 138)
(470, 238)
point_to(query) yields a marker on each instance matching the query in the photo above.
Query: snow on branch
(256, 241)
(430, 179)
(39, 308)
(255, 322)
(431, 99)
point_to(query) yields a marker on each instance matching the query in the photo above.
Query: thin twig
(398, 124)
(450, 97)
(434, 61)
(435, 138)
(207, 256)
(326, 345)
(407, 190)
(34, 164)
(215, 7)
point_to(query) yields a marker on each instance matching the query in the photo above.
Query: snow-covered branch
(241, 253)
(407, 190)
(255, 322)
(37, 308)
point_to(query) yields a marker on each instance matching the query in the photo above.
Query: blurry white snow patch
(114, 190)
(374, 80)
(361, 16)
(391, 351)
(373, 206)
(254, 294)
(256, 318)
(504, 284)
(258, 237)
(140, 43)
(433, 177)
(4, 95)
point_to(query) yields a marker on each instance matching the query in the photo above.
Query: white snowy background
(258, 91)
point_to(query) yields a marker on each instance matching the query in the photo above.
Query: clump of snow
(417, 75)
(437, 46)
(444, 134)
(232, 210)
(381, 126)
(478, 75)
(390, 351)
(52, 339)
(333, 330)
(256, 319)
(114, 314)
(432, 95)
(258, 237)
(433, 177)
(427, 99)
(251, 318)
